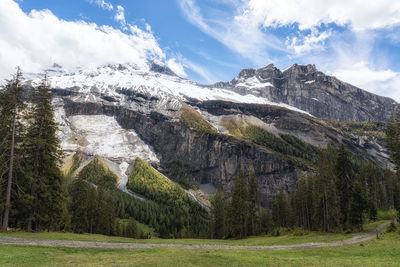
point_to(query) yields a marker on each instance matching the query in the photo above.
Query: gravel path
(83, 244)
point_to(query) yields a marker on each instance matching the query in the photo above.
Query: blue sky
(208, 41)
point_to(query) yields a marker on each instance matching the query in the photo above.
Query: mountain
(308, 89)
(266, 120)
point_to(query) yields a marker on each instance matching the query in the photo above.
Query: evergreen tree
(79, 205)
(266, 221)
(43, 157)
(281, 210)
(344, 181)
(219, 207)
(11, 132)
(358, 205)
(393, 144)
(254, 220)
(327, 210)
(238, 210)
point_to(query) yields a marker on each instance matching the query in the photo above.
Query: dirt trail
(83, 244)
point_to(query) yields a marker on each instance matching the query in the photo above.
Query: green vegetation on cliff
(98, 173)
(194, 121)
(287, 146)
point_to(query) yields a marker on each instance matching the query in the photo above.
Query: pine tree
(253, 199)
(11, 130)
(358, 205)
(327, 210)
(43, 155)
(79, 205)
(238, 211)
(344, 181)
(393, 144)
(219, 207)
(281, 210)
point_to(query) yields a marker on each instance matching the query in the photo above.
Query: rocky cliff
(308, 89)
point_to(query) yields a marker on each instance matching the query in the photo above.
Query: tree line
(340, 195)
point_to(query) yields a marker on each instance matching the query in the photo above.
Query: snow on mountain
(157, 81)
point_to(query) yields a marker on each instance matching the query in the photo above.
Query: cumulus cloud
(368, 14)
(36, 40)
(379, 81)
(102, 4)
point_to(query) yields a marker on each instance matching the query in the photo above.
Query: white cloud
(367, 14)
(36, 40)
(242, 37)
(120, 16)
(176, 67)
(311, 42)
(102, 4)
(379, 81)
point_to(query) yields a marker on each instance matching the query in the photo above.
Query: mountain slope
(119, 113)
(308, 89)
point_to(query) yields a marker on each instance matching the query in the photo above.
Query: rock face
(308, 89)
(140, 110)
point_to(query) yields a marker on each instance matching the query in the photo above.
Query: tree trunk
(10, 176)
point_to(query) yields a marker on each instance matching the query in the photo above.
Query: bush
(387, 215)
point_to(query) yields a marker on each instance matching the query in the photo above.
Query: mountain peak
(160, 67)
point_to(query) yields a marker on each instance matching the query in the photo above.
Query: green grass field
(287, 239)
(382, 252)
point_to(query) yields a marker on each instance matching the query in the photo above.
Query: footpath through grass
(382, 252)
(288, 239)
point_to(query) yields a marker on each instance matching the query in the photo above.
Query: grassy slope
(153, 185)
(286, 146)
(194, 121)
(382, 252)
(98, 173)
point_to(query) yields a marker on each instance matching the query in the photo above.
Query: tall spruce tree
(282, 210)
(253, 198)
(393, 144)
(11, 134)
(344, 182)
(219, 207)
(43, 157)
(239, 208)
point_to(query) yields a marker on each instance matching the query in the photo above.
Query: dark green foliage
(393, 144)
(358, 205)
(288, 146)
(282, 210)
(12, 133)
(92, 209)
(97, 173)
(183, 217)
(344, 182)
(253, 205)
(219, 216)
(239, 207)
(266, 221)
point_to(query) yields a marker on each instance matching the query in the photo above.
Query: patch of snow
(315, 99)
(102, 136)
(309, 82)
(253, 82)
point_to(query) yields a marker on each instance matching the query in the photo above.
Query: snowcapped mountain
(120, 112)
